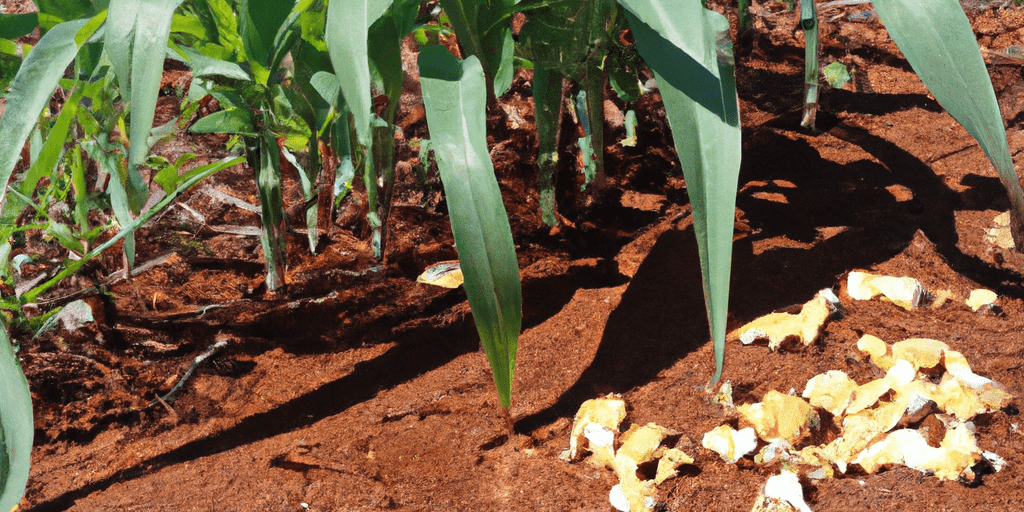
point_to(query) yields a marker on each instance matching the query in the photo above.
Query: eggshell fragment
(778, 327)
(640, 442)
(905, 292)
(668, 464)
(607, 412)
(782, 492)
(999, 233)
(446, 274)
(877, 350)
(730, 444)
(981, 298)
(831, 391)
(950, 461)
(920, 352)
(779, 416)
(867, 395)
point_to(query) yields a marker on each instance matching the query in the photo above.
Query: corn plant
(455, 94)
(70, 134)
(345, 71)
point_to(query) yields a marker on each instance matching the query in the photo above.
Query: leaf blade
(31, 90)
(455, 95)
(937, 40)
(16, 428)
(691, 57)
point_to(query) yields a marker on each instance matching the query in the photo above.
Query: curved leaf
(937, 40)
(455, 97)
(16, 427)
(31, 90)
(348, 26)
(688, 49)
(136, 41)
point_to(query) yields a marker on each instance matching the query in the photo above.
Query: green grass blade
(547, 98)
(31, 90)
(455, 96)
(688, 49)
(937, 40)
(258, 23)
(136, 42)
(16, 428)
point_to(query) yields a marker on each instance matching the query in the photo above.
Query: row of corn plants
(317, 84)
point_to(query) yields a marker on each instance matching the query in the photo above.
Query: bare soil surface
(355, 388)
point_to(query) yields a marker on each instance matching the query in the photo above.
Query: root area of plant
(357, 388)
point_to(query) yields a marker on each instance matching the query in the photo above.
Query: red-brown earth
(355, 388)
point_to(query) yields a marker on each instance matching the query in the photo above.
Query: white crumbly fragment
(952, 460)
(608, 412)
(618, 499)
(997, 462)
(597, 424)
(731, 444)
(752, 335)
(805, 326)
(905, 292)
(831, 391)
(981, 298)
(786, 487)
(779, 416)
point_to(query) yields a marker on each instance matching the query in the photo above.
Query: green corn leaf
(53, 12)
(328, 86)
(937, 40)
(31, 90)
(226, 22)
(16, 428)
(235, 120)
(204, 65)
(455, 96)
(348, 26)
(53, 146)
(259, 22)
(688, 49)
(136, 41)
(189, 24)
(13, 26)
(547, 98)
(81, 212)
(272, 218)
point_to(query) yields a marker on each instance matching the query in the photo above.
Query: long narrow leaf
(31, 90)
(137, 32)
(547, 99)
(348, 26)
(16, 427)
(272, 220)
(937, 40)
(688, 49)
(455, 97)
(53, 146)
(259, 22)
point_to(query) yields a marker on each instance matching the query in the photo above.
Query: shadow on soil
(416, 353)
